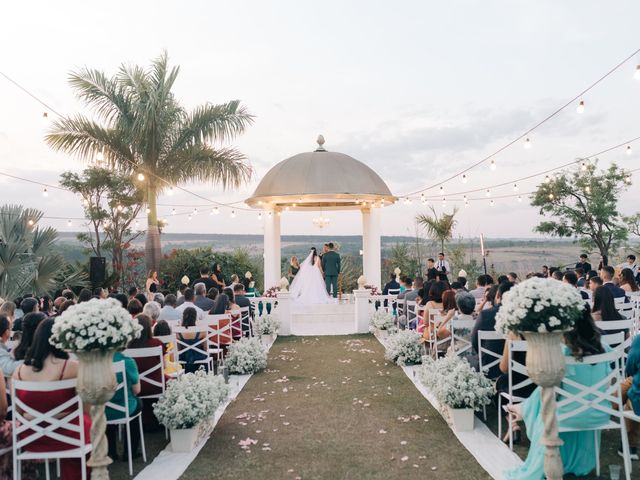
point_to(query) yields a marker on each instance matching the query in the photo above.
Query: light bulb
(45, 193)
(287, 208)
(173, 211)
(464, 178)
(100, 156)
(279, 213)
(141, 177)
(441, 189)
(148, 210)
(493, 165)
(233, 214)
(444, 202)
(269, 214)
(120, 207)
(527, 143)
(294, 205)
(515, 187)
(69, 223)
(551, 196)
(170, 192)
(580, 107)
(488, 193)
(259, 216)
(520, 198)
(636, 74)
(30, 222)
(466, 204)
(627, 179)
(195, 211)
(189, 217)
(587, 189)
(491, 203)
(138, 223)
(85, 202)
(547, 179)
(629, 152)
(583, 166)
(216, 211)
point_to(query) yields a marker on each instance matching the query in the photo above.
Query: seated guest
(85, 295)
(556, 274)
(181, 289)
(503, 279)
(8, 309)
(221, 305)
(45, 363)
(234, 280)
(142, 298)
(604, 307)
(512, 277)
(171, 364)
(410, 296)
(627, 281)
(578, 450)
(191, 356)
(30, 323)
(607, 274)
(481, 287)
(159, 298)
(594, 283)
(434, 303)
(489, 298)
(189, 302)
(631, 396)
(152, 310)
(100, 293)
(204, 278)
(572, 279)
(135, 406)
(28, 305)
(487, 321)
(392, 284)
(134, 307)
(133, 291)
(122, 298)
(65, 305)
(239, 296)
(201, 300)
(8, 363)
(581, 278)
(212, 294)
(458, 305)
(169, 312)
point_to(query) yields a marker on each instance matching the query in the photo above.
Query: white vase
(184, 440)
(462, 419)
(267, 339)
(546, 367)
(96, 386)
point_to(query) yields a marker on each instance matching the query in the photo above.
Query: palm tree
(27, 261)
(141, 128)
(439, 229)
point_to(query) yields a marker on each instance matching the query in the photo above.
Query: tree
(403, 257)
(140, 128)
(27, 261)
(111, 201)
(583, 203)
(439, 229)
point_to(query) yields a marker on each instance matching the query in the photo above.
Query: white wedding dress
(308, 287)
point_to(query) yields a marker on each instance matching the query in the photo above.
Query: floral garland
(246, 356)
(404, 348)
(266, 325)
(94, 325)
(272, 292)
(190, 399)
(455, 384)
(381, 320)
(539, 305)
(373, 290)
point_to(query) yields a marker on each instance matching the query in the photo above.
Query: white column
(272, 255)
(363, 310)
(371, 246)
(283, 311)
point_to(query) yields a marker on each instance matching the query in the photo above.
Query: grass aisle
(332, 408)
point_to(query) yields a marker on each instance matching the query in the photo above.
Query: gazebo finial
(320, 141)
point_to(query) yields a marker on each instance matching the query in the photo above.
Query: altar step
(324, 320)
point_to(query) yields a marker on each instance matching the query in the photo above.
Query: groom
(331, 268)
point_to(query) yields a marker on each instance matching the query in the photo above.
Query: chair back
(393, 291)
(63, 423)
(219, 330)
(152, 380)
(410, 312)
(246, 322)
(516, 366)
(487, 358)
(121, 384)
(460, 342)
(170, 341)
(626, 309)
(612, 339)
(199, 348)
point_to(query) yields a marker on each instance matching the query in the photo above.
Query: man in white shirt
(189, 297)
(631, 264)
(442, 265)
(169, 312)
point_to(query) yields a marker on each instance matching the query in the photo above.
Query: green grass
(324, 420)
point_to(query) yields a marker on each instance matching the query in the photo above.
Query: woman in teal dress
(579, 449)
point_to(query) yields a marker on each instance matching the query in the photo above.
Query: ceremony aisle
(329, 407)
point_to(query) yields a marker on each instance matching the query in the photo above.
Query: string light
(547, 179)
(627, 179)
(233, 214)
(287, 208)
(260, 216)
(138, 223)
(629, 151)
(141, 177)
(279, 213)
(466, 202)
(464, 178)
(85, 202)
(520, 198)
(580, 107)
(100, 156)
(170, 192)
(636, 74)
(195, 211)
(550, 196)
(147, 210)
(173, 211)
(270, 214)
(587, 189)
(444, 202)
(215, 211)
(493, 165)
(69, 223)
(45, 193)
(515, 187)
(583, 166)
(119, 207)
(423, 199)
(492, 203)
(441, 190)
(30, 222)
(527, 143)
(488, 193)
(294, 204)
(189, 217)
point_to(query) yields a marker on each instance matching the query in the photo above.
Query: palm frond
(107, 98)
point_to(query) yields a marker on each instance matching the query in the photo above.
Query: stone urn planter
(96, 386)
(184, 440)
(462, 419)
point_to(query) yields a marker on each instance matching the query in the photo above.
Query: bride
(308, 286)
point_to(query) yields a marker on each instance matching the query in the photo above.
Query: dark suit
(331, 268)
(205, 303)
(487, 321)
(615, 290)
(586, 266)
(392, 285)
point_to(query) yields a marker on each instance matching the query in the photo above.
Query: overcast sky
(417, 90)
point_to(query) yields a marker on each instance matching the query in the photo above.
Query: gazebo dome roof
(320, 179)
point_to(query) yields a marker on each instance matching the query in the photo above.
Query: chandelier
(321, 221)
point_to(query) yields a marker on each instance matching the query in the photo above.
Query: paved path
(332, 408)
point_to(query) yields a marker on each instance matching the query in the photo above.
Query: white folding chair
(170, 344)
(410, 309)
(626, 309)
(607, 326)
(126, 419)
(30, 425)
(401, 308)
(492, 358)
(461, 343)
(612, 340)
(575, 399)
(219, 335)
(200, 346)
(147, 382)
(246, 322)
(508, 398)
(435, 319)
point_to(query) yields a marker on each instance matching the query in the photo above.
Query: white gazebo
(321, 180)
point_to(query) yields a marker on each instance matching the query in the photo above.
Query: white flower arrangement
(404, 347)
(190, 399)
(266, 325)
(455, 384)
(539, 305)
(94, 325)
(381, 320)
(246, 356)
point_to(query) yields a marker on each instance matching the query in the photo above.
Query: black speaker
(97, 270)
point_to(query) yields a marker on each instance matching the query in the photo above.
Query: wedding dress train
(308, 287)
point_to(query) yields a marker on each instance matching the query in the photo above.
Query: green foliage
(141, 127)
(402, 256)
(180, 262)
(439, 229)
(27, 262)
(583, 204)
(459, 260)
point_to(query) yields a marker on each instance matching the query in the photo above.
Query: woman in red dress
(45, 363)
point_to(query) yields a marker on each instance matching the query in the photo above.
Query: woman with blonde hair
(151, 287)
(8, 309)
(294, 268)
